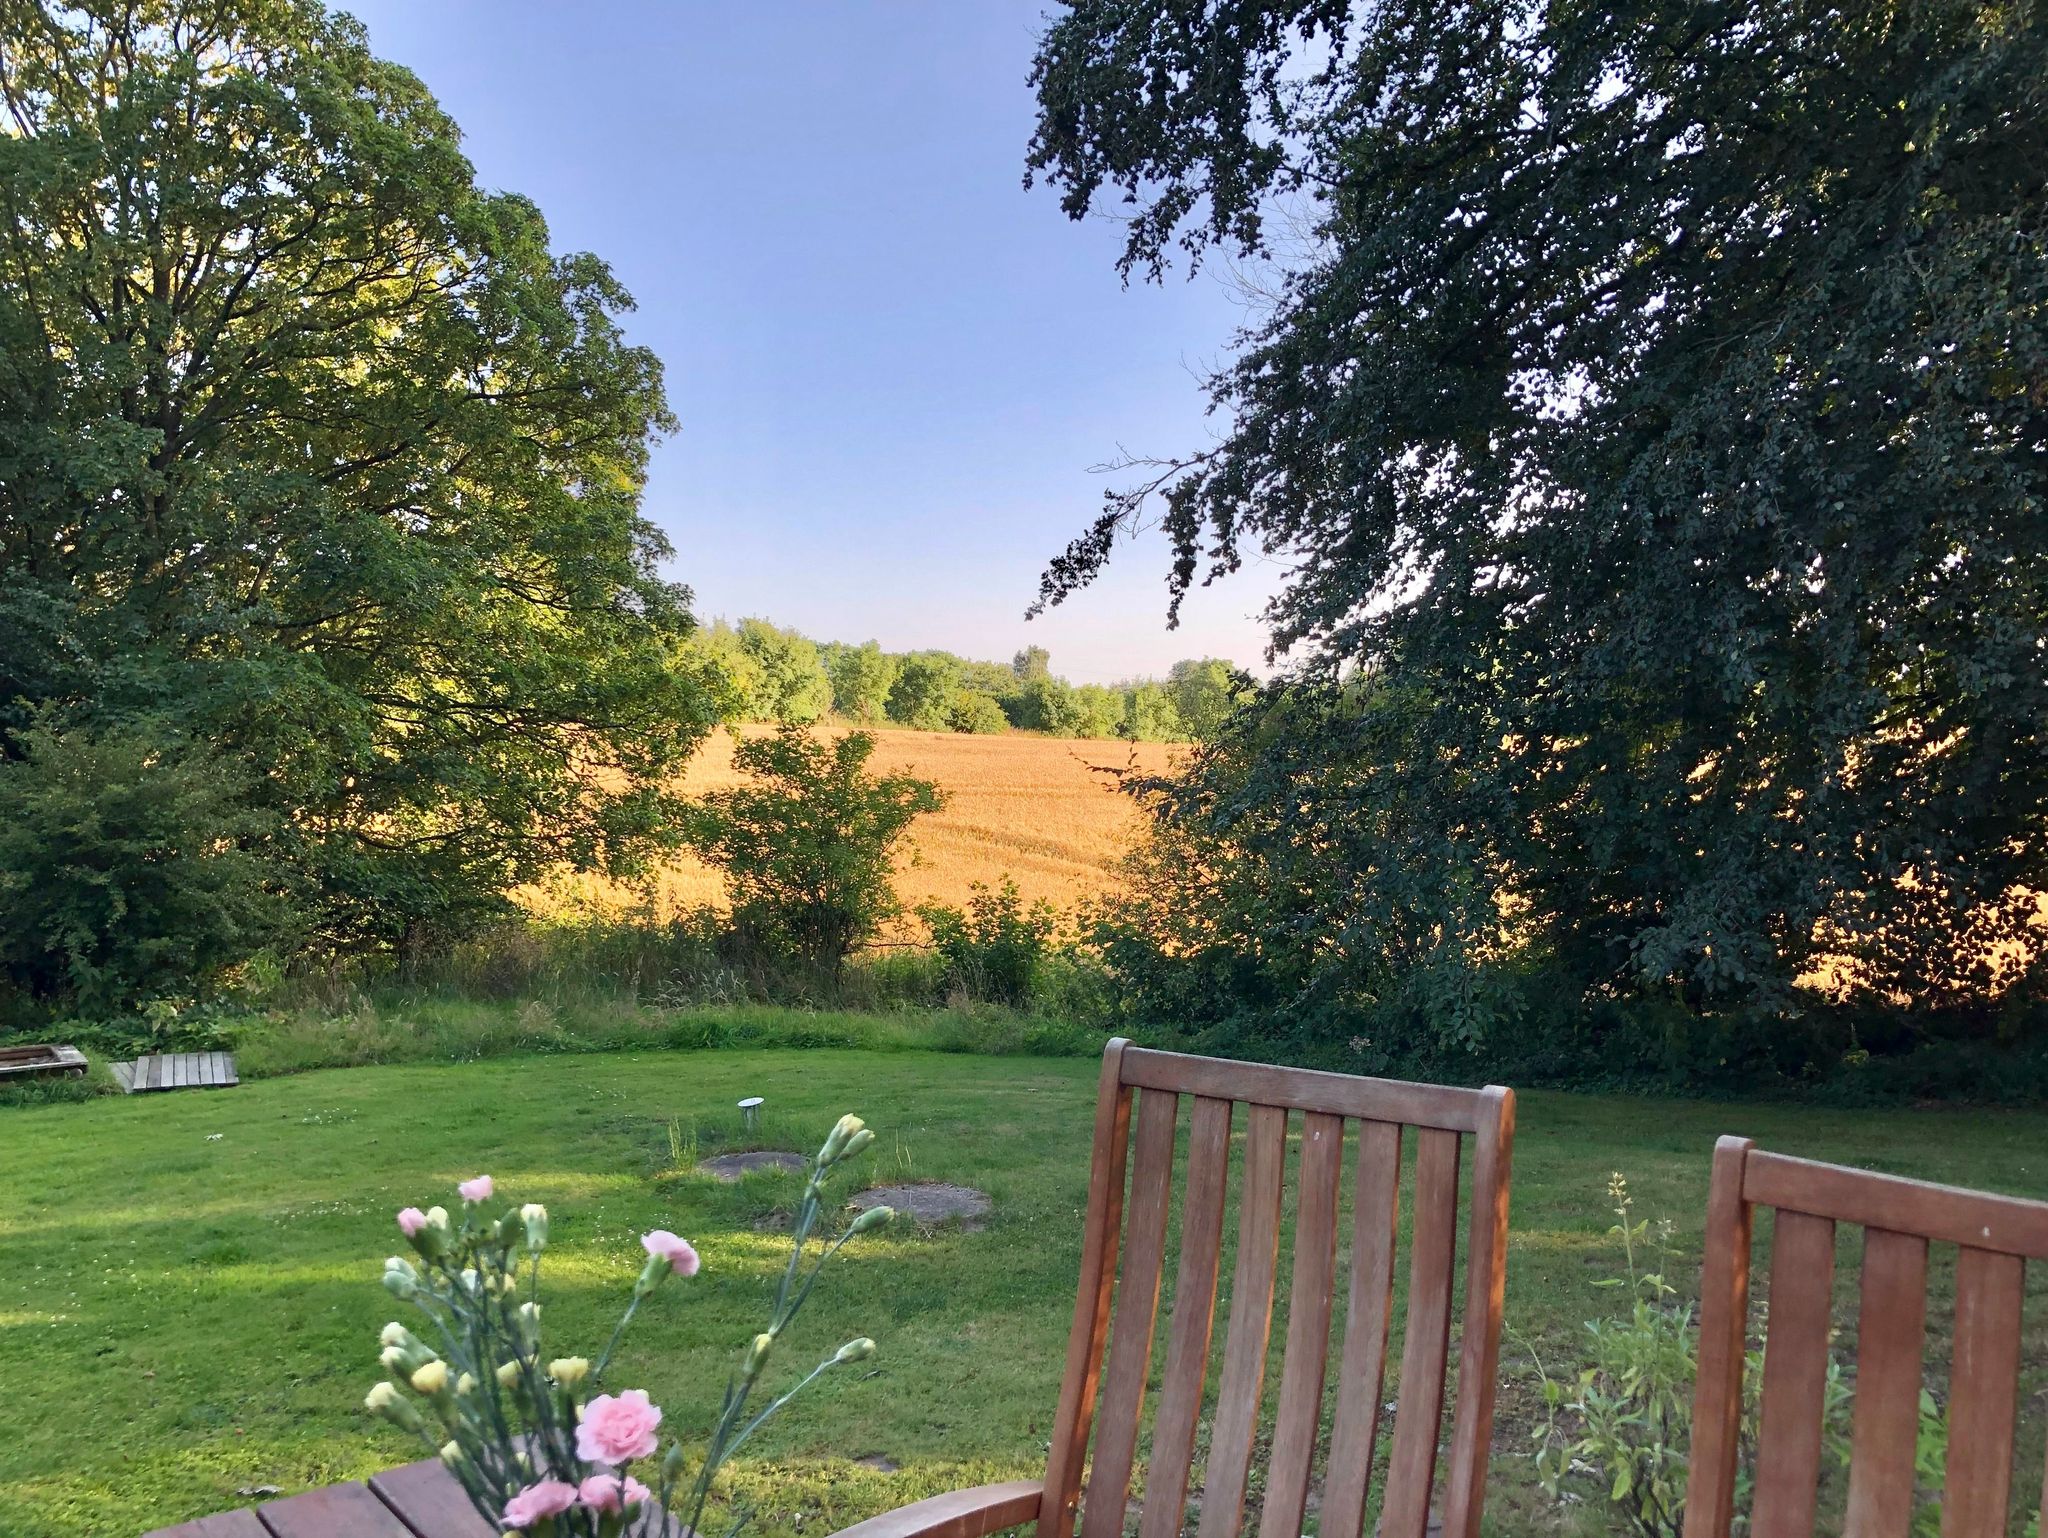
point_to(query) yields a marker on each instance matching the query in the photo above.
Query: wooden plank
(1795, 1376)
(1486, 1284)
(1974, 1219)
(1984, 1370)
(1303, 1089)
(1303, 1364)
(1194, 1317)
(1091, 1298)
(1361, 1376)
(1724, 1322)
(337, 1511)
(1419, 1412)
(430, 1501)
(1889, 1335)
(1137, 1310)
(181, 1070)
(124, 1075)
(956, 1514)
(1251, 1324)
(223, 1524)
(229, 1078)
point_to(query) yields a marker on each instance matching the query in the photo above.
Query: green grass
(189, 1304)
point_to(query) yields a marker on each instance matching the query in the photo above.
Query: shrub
(808, 849)
(995, 949)
(973, 711)
(127, 868)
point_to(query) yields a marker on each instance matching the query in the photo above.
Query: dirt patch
(930, 1202)
(729, 1167)
(882, 1463)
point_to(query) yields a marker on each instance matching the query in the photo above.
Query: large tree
(1652, 404)
(313, 450)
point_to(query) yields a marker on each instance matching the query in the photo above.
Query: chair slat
(1984, 1368)
(1419, 1412)
(1194, 1315)
(1091, 1298)
(1308, 1327)
(1890, 1333)
(1137, 1307)
(1361, 1376)
(1251, 1321)
(1486, 1282)
(1795, 1376)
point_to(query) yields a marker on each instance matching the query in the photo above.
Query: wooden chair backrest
(1995, 1237)
(1134, 1229)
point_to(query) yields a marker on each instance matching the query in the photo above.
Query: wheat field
(1043, 811)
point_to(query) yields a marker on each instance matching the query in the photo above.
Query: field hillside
(1044, 811)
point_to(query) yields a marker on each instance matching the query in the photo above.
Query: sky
(895, 370)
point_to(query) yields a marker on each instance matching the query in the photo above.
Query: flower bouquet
(539, 1449)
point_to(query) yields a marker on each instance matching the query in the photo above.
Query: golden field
(1043, 811)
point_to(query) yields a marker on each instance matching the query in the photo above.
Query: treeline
(769, 673)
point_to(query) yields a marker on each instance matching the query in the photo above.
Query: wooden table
(421, 1500)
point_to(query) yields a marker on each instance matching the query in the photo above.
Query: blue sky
(894, 368)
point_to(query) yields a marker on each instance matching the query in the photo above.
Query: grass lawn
(189, 1299)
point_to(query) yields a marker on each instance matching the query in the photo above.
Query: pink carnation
(679, 1253)
(607, 1493)
(617, 1428)
(477, 1190)
(411, 1221)
(538, 1502)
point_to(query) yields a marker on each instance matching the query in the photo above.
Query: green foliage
(1204, 692)
(995, 948)
(1046, 705)
(862, 677)
(1150, 714)
(1098, 711)
(807, 848)
(1676, 607)
(973, 711)
(314, 450)
(130, 867)
(922, 696)
(788, 681)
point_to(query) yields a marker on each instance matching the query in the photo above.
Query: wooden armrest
(957, 1514)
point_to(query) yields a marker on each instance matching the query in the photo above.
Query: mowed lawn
(189, 1299)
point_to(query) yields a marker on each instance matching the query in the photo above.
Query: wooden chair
(1996, 1235)
(1110, 1349)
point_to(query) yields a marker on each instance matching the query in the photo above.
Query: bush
(994, 950)
(808, 849)
(127, 869)
(978, 713)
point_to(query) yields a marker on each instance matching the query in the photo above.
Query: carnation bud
(400, 1279)
(396, 1334)
(386, 1402)
(872, 1219)
(535, 1217)
(855, 1351)
(836, 1141)
(672, 1463)
(508, 1374)
(657, 1267)
(757, 1356)
(569, 1370)
(466, 1384)
(857, 1144)
(431, 1378)
(451, 1453)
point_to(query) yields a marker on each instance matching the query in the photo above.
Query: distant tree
(922, 695)
(789, 682)
(1098, 711)
(973, 711)
(1150, 714)
(1031, 664)
(862, 677)
(1045, 704)
(1204, 692)
(313, 450)
(1652, 405)
(806, 846)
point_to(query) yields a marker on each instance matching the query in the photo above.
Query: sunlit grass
(185, 1316)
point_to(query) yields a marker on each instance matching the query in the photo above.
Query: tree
(1651, 404)
(789, 682)
(1149, 714)
(1031, 664)
(129, 867)
(1204, 692)
(313, 450)
(862, 677)
(807, 847)
(923, 693)
(1046, 704)
(973, 711)
(1098, 711)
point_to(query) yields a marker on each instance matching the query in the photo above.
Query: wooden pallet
(39, 1061)
(177, 1070)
